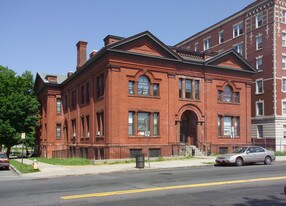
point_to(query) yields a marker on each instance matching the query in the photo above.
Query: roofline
(218, 24)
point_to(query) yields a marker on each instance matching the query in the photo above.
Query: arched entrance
(188, 128)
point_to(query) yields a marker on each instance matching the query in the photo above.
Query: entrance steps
(188, 149)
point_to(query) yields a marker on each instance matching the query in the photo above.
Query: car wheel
(239, 161)
(267, 160)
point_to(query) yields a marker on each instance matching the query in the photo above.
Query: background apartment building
(258, 32)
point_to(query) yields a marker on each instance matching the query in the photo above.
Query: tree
(19, 107)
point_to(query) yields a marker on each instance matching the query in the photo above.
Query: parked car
(249, 154)
(4, 161)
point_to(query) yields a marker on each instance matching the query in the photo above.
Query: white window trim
(240, 43)
(196, 45)
(283, 78)
(283, 100)
(283, 10)
(257, 135)
(259, 35)
(219, 37)
(256, 90)
(259, 57)
(209, 43)
(235, 25)
(283, 33)
(256, 20)
(256, 108)
(283, 56)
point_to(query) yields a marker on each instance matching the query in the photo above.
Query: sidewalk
(48, 171)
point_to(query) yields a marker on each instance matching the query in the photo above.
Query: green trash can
(140, 161)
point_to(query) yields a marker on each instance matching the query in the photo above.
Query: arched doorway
(188, 127)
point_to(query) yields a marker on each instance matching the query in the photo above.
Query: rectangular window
(237, 30)
(283, 84)
(259, 131)
(259, 63)
(73, 99)
(135, 152)
(131, 87)
(87, 127)
(284, 131)
(197, 89)
(87, 92)
(66, 102)
(156, 89)
(220, 37)
(100, 86)
(156, 124)
(259, 18)
(259, 42)
(219, 125)
(236, 126)
(59, 105)
(197, 47)
(259, 86)
(143, 122)
(284, 107)
(180, 88)
(131, 123)
(100, 124)
(74, 128)
(154, 152)
(59, 131)
(284, 39)
(219, 96)
(284, 62)
(238, 48)
(236, 97)
(82, 94)
(188, 91)
(259, 108)
(226, 126)
(207, 43)
(284, 16)
(82, 127)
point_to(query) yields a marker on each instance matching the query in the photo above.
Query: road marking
(153, 189)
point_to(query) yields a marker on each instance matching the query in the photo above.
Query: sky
(41, 35)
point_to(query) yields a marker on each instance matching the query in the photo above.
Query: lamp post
(147, 134)
(23, 136)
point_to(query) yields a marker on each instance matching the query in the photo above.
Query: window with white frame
(283, 84)
(237, 30)
(284, 39)
(207, 43)
(284, 16)
(259, 42)
(259, 86)
(284, 131)
(259, 131)
(59, 131)
(283, 61)
(197, 47)
(283, 107)
(259, 18)
(238, 48)
(259, 108)
(259, 63)
(220, 37)
(228, 126)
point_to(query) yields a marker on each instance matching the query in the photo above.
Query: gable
(230, 60)
(144, 44)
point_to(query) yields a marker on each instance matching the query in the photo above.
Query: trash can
(140, 161)
(193, 152)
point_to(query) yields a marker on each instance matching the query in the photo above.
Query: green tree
(19, 107)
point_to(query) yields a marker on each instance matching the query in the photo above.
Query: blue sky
(40, 35)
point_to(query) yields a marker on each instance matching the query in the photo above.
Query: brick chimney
(81, 53)
(70, 73)
(92, 54)
(110, 39)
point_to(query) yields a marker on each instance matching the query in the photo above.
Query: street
(238, 186)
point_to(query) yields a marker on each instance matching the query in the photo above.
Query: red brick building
(258, 32)
(136, 87)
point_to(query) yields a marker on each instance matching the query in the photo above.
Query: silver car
(244, 155)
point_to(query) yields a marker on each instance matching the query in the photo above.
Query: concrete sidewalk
(48, 170)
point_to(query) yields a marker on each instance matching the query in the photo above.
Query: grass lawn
(67, 161)
(23, 168)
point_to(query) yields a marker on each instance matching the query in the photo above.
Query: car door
(249, 155)
(259, 154)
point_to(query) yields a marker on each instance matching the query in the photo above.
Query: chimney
(70, 73)
(92, 54)
(81, 53)
(110, 39)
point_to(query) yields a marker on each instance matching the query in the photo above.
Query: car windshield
(3, 156)
(239, 150)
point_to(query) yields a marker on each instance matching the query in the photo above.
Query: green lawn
(23, 168)
(67, 161)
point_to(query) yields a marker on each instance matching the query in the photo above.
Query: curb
(15, 170)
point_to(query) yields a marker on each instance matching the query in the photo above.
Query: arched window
(227, 93)
(143, 85)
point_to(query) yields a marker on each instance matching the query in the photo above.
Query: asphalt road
(7, 174)
(238, 186)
